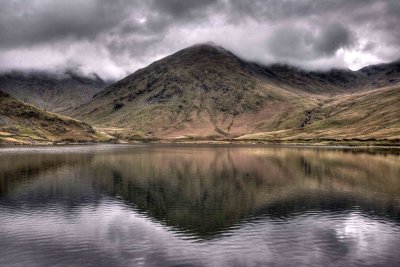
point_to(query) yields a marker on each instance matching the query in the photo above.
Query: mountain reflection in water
(198, 205)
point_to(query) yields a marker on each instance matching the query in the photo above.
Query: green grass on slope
(23, 123)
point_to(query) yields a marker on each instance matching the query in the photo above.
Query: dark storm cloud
(179, 8)
(332, 38)
(117, 37)
(301, 43)
(278, 10)
(26, 23)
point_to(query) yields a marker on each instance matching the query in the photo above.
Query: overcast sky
(116, 37)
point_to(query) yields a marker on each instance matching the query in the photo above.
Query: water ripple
(151, 206)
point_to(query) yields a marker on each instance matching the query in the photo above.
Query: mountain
(202, 91)
(206, 92)
(50, 91)
(332, 81)
(21, 123)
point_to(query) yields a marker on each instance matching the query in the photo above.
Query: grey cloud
(41, 21)
(370, 46)
(304, 43)
(290, 42)
(332, 38)
(23, 23)
(391, 21)
(178, 8)
(278, 10)
(130, 34)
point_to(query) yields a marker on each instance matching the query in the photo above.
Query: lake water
(161, 205)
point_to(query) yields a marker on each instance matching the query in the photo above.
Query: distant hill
(332, 81)
(50, 91)
(21, 123)
(206, 92)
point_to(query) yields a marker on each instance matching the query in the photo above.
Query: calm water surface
(154, 205)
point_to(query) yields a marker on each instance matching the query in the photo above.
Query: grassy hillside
(203, 91)
(372, 116)
(52, 92)
(206, 92)
(25, 124)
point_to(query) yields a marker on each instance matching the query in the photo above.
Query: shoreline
(294, 143)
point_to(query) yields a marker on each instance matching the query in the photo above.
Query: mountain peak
(200, 56)
(208, 47)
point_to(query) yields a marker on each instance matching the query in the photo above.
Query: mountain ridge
(56, 92)
(186, 86)
(207, 92)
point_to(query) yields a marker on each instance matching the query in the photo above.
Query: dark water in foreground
(198, 206)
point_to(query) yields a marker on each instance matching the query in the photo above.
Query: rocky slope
(25, 124)
(52, 92)
(206, 92)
